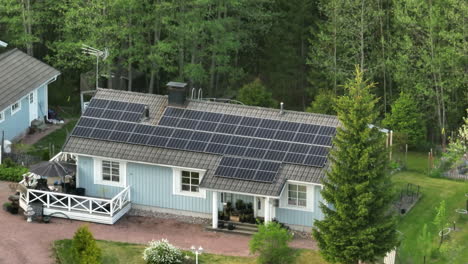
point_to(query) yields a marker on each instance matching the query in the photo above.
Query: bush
(162, 252)
(256, 94)
(271, 242)
(10, 171)
(84, 247)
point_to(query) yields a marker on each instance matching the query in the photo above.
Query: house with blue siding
(192, 157)
(23, 92)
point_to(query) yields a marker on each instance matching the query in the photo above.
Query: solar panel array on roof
(252, 148)
(115, 110)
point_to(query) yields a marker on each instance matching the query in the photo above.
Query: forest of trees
(300, 51)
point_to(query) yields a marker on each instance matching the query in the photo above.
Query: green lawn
(433, 191)
(117, 252)
(56, 138)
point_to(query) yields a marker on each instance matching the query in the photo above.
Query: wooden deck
(83, 208)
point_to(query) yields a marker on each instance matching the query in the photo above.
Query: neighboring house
(190, 157)
(23, 92)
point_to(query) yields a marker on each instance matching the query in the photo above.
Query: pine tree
(84, 247)
(356, 226)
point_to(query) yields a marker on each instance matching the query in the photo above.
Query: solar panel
(82, 131)
(250, 121)
(255, 153)
(255, 148)
(158, 141)
(196, 146)
(246, 131)
(117, 105)
(93, 112)
(99, 103)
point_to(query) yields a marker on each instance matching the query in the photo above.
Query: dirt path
(24, 243)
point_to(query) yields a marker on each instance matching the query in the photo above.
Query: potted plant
(6, 206)
(231, 226)
(234, 217)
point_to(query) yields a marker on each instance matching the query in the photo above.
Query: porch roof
(197, 160)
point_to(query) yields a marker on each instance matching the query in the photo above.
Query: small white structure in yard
(390, 258)
(3, 44)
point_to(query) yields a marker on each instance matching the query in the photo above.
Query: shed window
(2, 116)
(110, 171)
(190, 181)
(31, 98)
(15, 107)
(297, 195)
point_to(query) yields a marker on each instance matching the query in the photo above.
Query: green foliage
(323, 103)
(10, 171)
(271, 242)
(425, 242)
(406, 120)
(84, 247)
(440, 219)
(357, 227)
(256, 94)
(162, 252)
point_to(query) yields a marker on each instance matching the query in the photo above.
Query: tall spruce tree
(357, 227)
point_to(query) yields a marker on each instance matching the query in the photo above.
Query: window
(110, 171)
(31, 98)
(15, 107)
(297, 195)
(190, 181)
(186, 182)
(2, 116)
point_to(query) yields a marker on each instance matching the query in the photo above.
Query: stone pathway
(24, 243)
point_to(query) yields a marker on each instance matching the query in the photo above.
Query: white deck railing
(75, 203)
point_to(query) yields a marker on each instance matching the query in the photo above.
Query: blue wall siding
(86, 180)
(298, 217)
(152, 186)
(18, 123)
(41, 102)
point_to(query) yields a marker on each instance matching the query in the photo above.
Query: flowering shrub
(162, 252)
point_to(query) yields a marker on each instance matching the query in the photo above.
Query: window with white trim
(110, 171)
(31, 98)
(2, 116)
(297, 195)
(190, 181)
(15, 107)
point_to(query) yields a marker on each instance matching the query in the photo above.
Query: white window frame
(295, 188)
(310, 195)
(98, 177)
(177, 183)
(2, 116)
(14, 111)
(31, 98)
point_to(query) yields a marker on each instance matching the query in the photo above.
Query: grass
(433, 190)
(117, 252)
(56, 139)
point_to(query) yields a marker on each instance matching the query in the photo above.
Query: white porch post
(215, 210)
(255, 206)
(267, 210)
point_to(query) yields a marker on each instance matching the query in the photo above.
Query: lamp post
(197, 252)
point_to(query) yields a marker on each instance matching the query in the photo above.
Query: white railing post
(120, 202)
(111, 208)
(48, 201)
(27, 197)
(90, 206)
(69, 203)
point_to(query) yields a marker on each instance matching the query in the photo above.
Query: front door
(32, 106)
(260, 207)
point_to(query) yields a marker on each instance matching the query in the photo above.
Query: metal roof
(196, 160)
(21, 74)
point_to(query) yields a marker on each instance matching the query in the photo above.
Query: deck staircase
(240, 228)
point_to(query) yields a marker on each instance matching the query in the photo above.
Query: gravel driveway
(23, 242)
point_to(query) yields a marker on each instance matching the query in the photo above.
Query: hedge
(14, 174)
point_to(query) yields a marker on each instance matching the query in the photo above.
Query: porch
(263, 208)
(75, 207)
